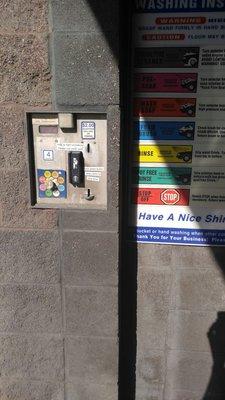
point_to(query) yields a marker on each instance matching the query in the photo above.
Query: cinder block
(144, 392)
(31, 357)
(30, 390)
(96, 359)
(83, 389)
(80, 16)
(91, 220)
(189, 330)
(154, 287)
(24, 16)
(189, 371)
(150, 372)
(91, 311)
(200, 290)
(90, 258)
(30, 309)
(199, 257)
(25, 68)
(29, 257)
(154, 256)
(151, 327)
(12, 140)
(88, 62)
(15, 201)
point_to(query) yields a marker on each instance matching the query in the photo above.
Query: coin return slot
(88, 195)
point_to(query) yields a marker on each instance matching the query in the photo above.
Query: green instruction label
(161, 175)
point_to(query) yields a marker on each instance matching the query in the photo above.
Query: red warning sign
(157, 196)
(170, 196)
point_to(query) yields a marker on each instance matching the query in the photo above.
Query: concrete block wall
(31, 342)
(180, 336)
(58, 270)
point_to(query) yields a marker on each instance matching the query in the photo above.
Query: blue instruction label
(151, 130)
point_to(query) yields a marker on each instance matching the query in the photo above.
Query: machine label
(70, 146)
(88, 130)
(161, 196)
(48, 155)
(165, 82)
(161, 176)
(162, 154)
(164, 107)
(166, 130)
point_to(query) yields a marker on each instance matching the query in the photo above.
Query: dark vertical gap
(128, 251)
(31, 163)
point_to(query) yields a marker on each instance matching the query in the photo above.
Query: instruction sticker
(163, 154)
(165, 197)
(166, 57)
(88, 130)
(94, 168)
(93, 178)
(70, 146)
(164, 107)
(90, 173)
(165, 82)
(161, 175)
(164, 130)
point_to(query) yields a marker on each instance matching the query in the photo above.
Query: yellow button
(55, 174)
(47, 174)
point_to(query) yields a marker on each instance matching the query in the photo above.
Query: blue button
(61, 188)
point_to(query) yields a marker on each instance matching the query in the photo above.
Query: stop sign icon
(170, 196)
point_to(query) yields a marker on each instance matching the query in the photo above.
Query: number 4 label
(48, 155)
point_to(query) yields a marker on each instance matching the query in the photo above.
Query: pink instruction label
(165, 82)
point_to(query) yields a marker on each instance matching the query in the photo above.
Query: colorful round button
(56, 193)
(55, 174)
(48, 193)
(41, 179)
(60, 180)
(49, 184)
(42, 187)
(47, 174)
(61, 188)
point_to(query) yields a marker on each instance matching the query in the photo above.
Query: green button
(48, 193)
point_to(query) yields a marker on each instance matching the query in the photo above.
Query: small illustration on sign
(170, 196)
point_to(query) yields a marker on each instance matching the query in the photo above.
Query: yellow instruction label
(163, 154)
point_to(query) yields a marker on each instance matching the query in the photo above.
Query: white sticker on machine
(70, 146)
(88, 130)
(93, 178)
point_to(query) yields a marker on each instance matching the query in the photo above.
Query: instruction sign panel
(177, 174)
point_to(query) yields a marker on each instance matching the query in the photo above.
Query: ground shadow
(120, 21)
(216, 336)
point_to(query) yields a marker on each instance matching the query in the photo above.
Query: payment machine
(68, 159)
